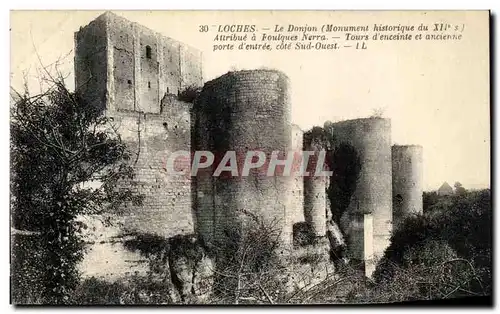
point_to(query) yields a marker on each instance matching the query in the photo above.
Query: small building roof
(445, 189)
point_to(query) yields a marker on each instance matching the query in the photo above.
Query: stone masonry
(135, 75)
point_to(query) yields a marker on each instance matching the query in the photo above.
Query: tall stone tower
(297, 196)
(407, 181)
(315, 198)
(368, 220)
(134, 75)
(124, 66)
(244, 111)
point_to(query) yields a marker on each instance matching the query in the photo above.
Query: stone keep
(124, 66)
(242, 111)
(407, 181)
(371, 203)
(133, 75)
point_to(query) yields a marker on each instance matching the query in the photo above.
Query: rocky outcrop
(180, 263)
(191, 268)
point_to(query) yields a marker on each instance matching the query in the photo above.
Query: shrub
(443, 253)
(250, 267)
(26, 269)
(135, 290)
(452, 279)
(302, 234)
(189, 94)
(59, 142)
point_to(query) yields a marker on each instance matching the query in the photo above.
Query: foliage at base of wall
(443, 255)
(26, 270)
(60, 143)
(134, 290)
(457, 236)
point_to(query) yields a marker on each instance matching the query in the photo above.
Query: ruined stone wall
(203, 182)
(246, 110)
(371, 137)
(157, 65)
(149, 59)
(123, 79)
(407, 180)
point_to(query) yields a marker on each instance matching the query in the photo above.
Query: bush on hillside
(424, 246)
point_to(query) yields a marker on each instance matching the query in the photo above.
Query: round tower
(241, 112)
(314, 191)
(297, 197)
(407, 180)
(367, 221)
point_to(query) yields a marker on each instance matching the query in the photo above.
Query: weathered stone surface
(134, 74)
(407, 181)
(191, 269)
(244, 111)
(371, 138)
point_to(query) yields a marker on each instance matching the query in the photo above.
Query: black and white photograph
(250, 157)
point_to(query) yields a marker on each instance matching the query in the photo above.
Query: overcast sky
(436, 93)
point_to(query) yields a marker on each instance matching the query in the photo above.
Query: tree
(189, 94)
(252, 264)
(377, 112)
(429, 199)
(459, 189)
(59, 143)
(463, 226)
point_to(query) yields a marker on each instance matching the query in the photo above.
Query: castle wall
(166, 208)
(371, 138)
(407, 180)
(297, 201)
(203, 182)
(314, 193)
(135, 68)
(122, 88)
(246, 110)
(121, 65)
(170, 68)
(149, 70)
(190, 63)
(91, 62)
